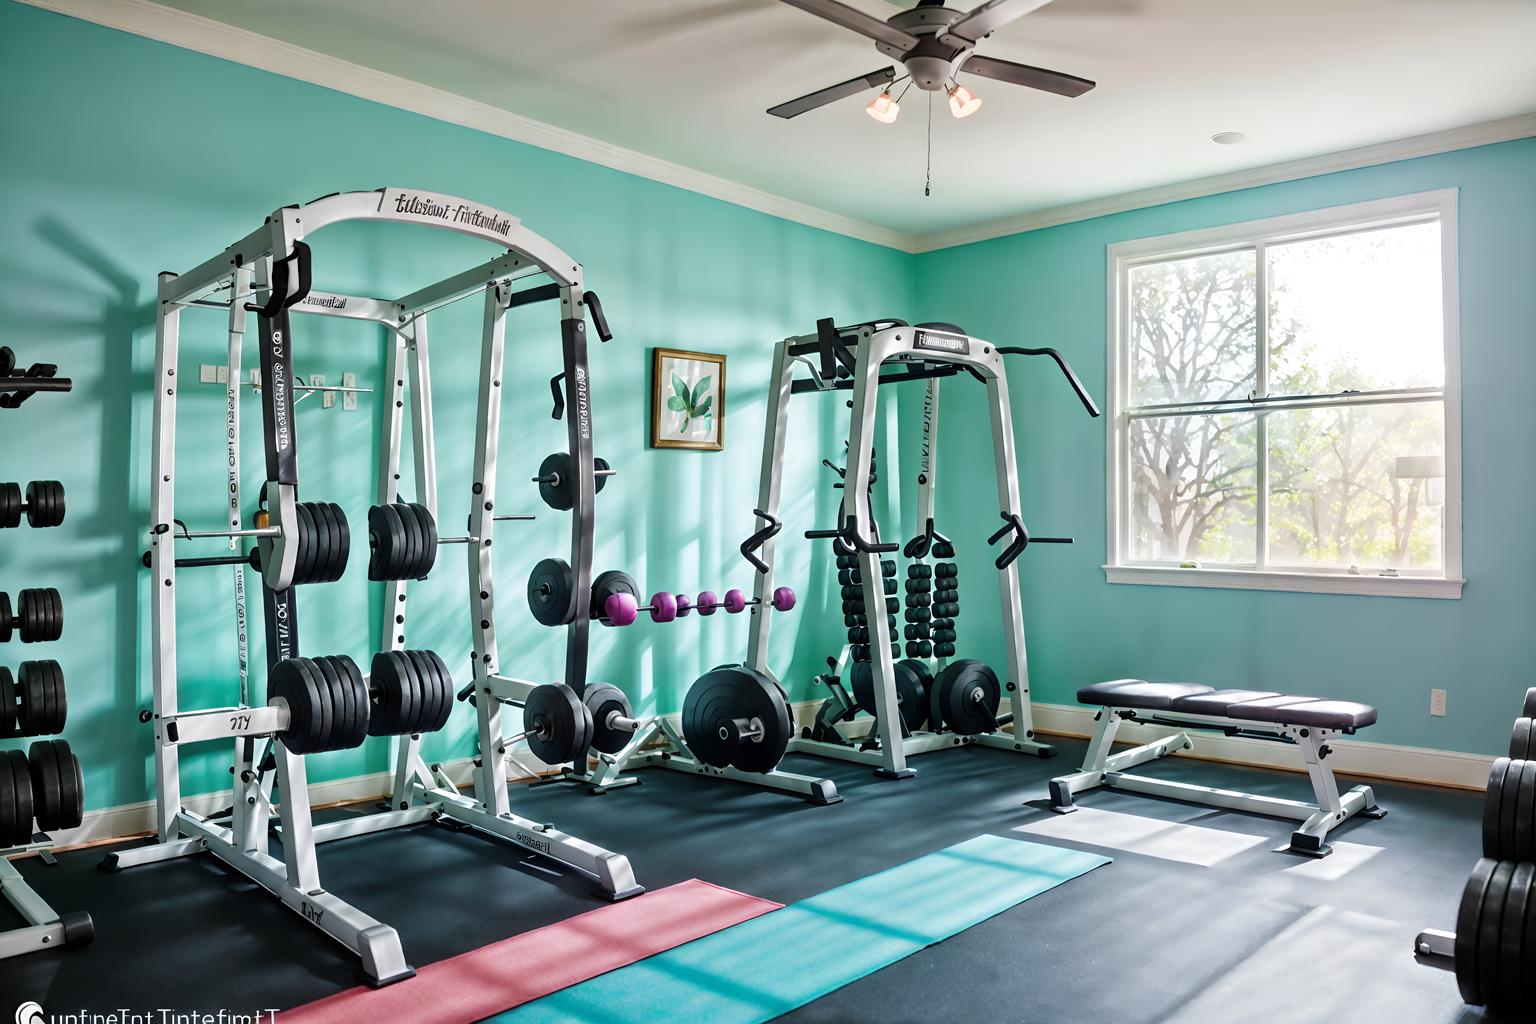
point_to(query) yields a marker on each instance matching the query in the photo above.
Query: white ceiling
(689, 80)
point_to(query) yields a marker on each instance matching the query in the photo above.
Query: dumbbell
(44, 504)
(623, 609)
(39, 615)
(45, 784)
(33, 703)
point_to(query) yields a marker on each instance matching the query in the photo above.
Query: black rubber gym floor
(1254, 935)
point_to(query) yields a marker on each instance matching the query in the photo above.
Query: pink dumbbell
(735, 601)
(623, 609)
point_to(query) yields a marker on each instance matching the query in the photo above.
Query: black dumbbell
(43, 504)
(38, 616)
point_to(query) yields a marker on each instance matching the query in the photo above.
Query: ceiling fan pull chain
(928, 171)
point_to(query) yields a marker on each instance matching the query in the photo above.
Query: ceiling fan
(934, 43)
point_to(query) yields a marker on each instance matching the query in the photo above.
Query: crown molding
(242, 46)
(1466, 137)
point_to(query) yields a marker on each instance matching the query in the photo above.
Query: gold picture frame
(687, 400)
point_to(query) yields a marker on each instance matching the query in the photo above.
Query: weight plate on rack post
(45, 503)
(356, 689)
(608, 583)
(327, 516)
(1523, 839)
(10, 813)
(555, 481)
(428, 539)
(71, 786)
(915, 711)
(304, 557)
(1514, 968)
(559, 725)
(1469, 917)
(47, 785)
(965, 697)
(550, 587)
(436, 687)
(385, 538)
(287, 681)
(413, 535)
(385, 712)
(721, 697)
(341, 711)
(10, 506)
(1522, 742)
(603, 699)
(1493, 808)
(325, 706)
(1530, 704)
(11, 714)
(343, 543)
(1489, 927)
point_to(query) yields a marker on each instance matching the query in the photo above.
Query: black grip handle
(598, 319)
(758, 539)
(554, 388)
(286, 293)
(1014, 525)
(1077, 385)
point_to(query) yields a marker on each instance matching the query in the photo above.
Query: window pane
(1193, 496)
(1192, 328)
(1357, 486)
(1358, 312)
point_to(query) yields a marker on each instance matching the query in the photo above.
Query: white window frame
(1438, 205)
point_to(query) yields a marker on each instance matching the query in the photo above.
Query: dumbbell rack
(45, 787)
(1493, 949)
(856, 359)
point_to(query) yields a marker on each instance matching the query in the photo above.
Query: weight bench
(1308, 722)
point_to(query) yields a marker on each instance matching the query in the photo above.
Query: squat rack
(854, 358)
(274, 261)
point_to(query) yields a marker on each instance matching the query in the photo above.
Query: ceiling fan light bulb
(883, 108)
(963, 102)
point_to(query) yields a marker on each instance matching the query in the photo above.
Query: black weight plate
(324, 714)
(550, 586)
(1522, 742)
(426, 680)
(599, 481)
(558, 723)
(384, 695)
(411, 693)
(443, 682)
(341, 711)
(326, 533)
(45, 503)
(1525, 992)
(47, 787)
(7, 618)
(1508, 806)
(769, 706)
(608, 583)
(10, 815)
(1530, 704)
(861, 682)
(1489, 927)
(32, 717)
(1524, 838)
(60, 711)
(343, 541)
(380, 541)
(1513, 967)
(952, 693)
(1493, 808)
(413, 540)
(558, 495)
(915, 711)
(10, 505)
(31, 623)
(428, 539)
(72, 792)
(23, 800)
(10, 711)
(1469, 917)
(357, 692)
(295, 685)
(603, 699)
(304, 556)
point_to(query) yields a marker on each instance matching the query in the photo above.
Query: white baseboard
(1386, 761)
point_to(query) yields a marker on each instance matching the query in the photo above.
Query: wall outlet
(327, 398)
(255, 376)
(223, 374)
(1437, 703)
(348, 398)
(207, 374)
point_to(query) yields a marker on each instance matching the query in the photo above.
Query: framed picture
(687, 400)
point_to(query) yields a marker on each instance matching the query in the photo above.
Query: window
(1286, 411)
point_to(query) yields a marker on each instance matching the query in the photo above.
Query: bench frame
(1101, 768)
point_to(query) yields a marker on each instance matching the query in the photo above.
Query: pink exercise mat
(484, 982)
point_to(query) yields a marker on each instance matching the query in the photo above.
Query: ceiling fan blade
(986, 19)
(863, 24)
(821, 97)
(1022, 74)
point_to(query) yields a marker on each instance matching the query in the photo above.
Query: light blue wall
(120, 158)
(1048, 287)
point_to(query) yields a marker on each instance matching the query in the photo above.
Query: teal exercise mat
(765, 967)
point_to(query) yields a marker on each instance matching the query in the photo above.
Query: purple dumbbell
(783, 599)
(707, 602)
(684, 605)
(620, 609)
(663, 607)
(734, 601)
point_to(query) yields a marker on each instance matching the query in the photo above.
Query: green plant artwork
(693, 404)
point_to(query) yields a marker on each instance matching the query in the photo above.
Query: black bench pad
(1243, 705)
(1138, 693)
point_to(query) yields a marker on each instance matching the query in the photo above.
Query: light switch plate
(207, 374)
(327, 398)
(1437, 703)
(349, 398)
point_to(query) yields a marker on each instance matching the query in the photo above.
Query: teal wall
(1048, 287)
(121, 157)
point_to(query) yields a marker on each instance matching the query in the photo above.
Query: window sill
(1299, 582)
